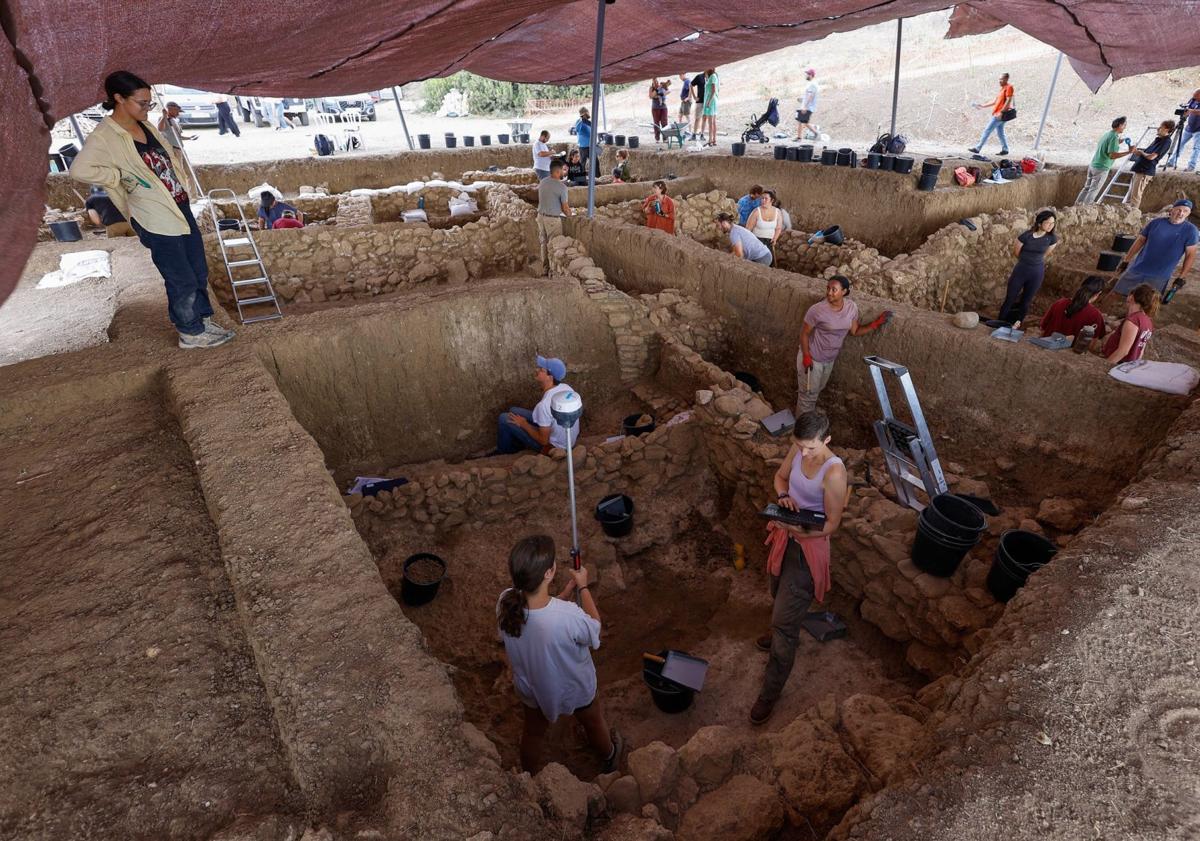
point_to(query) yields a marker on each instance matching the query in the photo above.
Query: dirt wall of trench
(976, 393)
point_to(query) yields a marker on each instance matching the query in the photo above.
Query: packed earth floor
(204, 634)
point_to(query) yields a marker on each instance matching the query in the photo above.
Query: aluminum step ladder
(906, 448)
(240, 252)
(1120, 185)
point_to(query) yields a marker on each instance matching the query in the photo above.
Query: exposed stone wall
(694, 215)
(330, 264)
(852, 258)
(508, 175)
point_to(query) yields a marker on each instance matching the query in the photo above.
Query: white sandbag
(364, 191)
(416, 215)
(437, 182)
(76, 266)
(255, 193)
(414, 187)
(462, 205)
(1171, 377)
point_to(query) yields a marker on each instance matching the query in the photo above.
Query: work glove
(883, 319)
(808, 362)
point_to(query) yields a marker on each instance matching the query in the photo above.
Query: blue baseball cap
(556, 367)
(1183, 203)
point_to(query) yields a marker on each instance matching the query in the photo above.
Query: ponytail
(1091, 287)
(527, 565)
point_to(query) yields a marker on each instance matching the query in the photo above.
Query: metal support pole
(403, 122)
(896, 76)
(592, 164)
(78, 130)
(1037, 141)
(603, 109)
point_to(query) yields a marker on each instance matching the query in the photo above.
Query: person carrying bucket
(825, 327)
(548, 641)
(811, 478)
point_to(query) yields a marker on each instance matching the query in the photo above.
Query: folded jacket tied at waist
(816, 554)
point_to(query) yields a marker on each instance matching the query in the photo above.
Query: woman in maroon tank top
(1128, 342)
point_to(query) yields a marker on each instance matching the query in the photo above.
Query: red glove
(807, 362)
(883, 319)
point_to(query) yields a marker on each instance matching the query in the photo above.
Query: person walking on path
(1157, 251)
(549, 641)
(583, 136)
(659, 209)
(808, 104)
(742, 243)
(659, 115)
(699, 82)
(137, 168)
(1145, 163)
(1002, 103)
(542, 155)
(552, 207)
(1191, 133)
(712, 90)
(826, 325)
(811, 478)
(685, 100)
(225, 121)
(1031, 249)
(1107, 151)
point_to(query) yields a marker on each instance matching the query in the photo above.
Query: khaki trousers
(548, 227)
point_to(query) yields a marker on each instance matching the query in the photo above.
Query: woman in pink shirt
(1129, 342)
(826, 325)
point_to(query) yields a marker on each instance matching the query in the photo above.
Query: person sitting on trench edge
(1067, 316)
(811, 478)
(535, 429)
(742, 243)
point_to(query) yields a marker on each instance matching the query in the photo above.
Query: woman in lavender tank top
(810, 478)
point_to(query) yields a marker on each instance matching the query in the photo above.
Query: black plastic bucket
(927, 181)
(781, 153)
(874, 159)
(844, 156)
(66, 231)
(793, 153)
(887, 163)
(524, 138)
(749, 379)
(485, 140)
(630, 425)
(937, 553)
(903, 165)
(739, 149)
(229, 224)
(615, 513)
(418, 592)
(468, 140)
(833, 235)
(450, 141)
(667, 695)
(931, 166)
(503, 138)
(619, 139)
(423, 141)
(806, 154)
(1018, 555)
(1123, 242)
(829, 157)
(633, 141)
(1109, 260)
(956, 517)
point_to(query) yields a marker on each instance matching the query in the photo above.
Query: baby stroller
(754, 131)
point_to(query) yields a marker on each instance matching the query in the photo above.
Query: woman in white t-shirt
(548, 641)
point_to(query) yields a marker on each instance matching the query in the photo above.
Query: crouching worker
(742, 243)
(811, 478)
(536, 429)
(548, 641)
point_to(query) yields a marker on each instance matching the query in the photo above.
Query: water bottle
(658, 207)
(421, 203)
(1083, 339)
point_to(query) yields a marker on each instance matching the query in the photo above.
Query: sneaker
(211, 326)
(1003, 151)
(203, 340)
(973, 150)
(763, 643)
(614, 759)
(761, 711)
(1189, 168)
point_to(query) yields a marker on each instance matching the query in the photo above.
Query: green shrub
(488, 96)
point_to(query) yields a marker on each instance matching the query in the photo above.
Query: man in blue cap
(1157, 250)
(525, 429)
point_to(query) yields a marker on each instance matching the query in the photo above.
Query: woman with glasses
(129, 158)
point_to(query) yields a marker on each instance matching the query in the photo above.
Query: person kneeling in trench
(811, 478)
(536, 429)
(826, 324)
(548, 642)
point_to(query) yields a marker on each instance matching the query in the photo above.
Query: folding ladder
(261, 299)
(1121, 184)
(906, 448)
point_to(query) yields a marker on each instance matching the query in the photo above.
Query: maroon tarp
(313, 47)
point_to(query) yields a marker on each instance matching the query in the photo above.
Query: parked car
(360, 103)
(198, 108)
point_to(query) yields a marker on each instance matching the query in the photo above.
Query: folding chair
(327, 125)
(352, 128)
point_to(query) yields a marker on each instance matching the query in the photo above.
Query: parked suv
(360, 103)
(197, 106)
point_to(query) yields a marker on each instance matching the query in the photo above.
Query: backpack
(324, 145)
(887, 144)
(963, 177)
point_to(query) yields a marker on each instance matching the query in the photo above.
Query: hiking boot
(203, 340)
(973, 150)
(212, 327)
(614, 760)
(761, 711)
(763, 643)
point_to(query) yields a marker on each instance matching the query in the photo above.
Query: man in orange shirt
(1003, 103)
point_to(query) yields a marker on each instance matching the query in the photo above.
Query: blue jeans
(1192, 137)
(180, 260)
(511, 438)
(997, 125)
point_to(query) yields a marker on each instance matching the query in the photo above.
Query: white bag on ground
(463, 205)
(255, 193)
(415, 215)
(1171, 377)
(77, 266)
